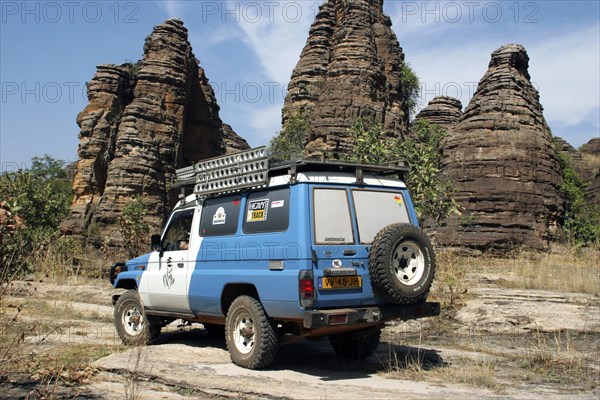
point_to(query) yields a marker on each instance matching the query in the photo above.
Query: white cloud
(566, 69)
(173, 8)
(277, 34)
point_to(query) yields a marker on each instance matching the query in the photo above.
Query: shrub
(34, 202)
(410, 88)
(582, 220)
(292, 138)
(430, 188)
(134, 228)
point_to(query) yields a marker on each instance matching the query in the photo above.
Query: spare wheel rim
(408, 263)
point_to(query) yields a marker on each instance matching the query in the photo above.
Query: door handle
(180, 265)
(349, 252)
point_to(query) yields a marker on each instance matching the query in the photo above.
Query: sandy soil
(487, 349)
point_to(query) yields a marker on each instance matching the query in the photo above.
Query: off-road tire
(251, 338)
(401, 264)
(133, 326)
(356, 345)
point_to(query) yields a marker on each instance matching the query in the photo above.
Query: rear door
(339, 271)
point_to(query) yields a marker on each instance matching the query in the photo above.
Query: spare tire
(401, 264)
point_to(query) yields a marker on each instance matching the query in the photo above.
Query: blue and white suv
(269, 252)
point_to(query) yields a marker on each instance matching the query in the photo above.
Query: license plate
(340, 282)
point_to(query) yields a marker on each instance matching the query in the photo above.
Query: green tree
(411, 88)
(292, 138)
(430, 188)
(370, 143)
(134, 228)
(40, 199)
(582, 220)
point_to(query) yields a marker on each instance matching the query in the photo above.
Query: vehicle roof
(317, 177)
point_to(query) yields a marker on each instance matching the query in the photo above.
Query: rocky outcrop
(442, 110)
(142, 123)
(591, 160)
(502, 157)
(351, 66)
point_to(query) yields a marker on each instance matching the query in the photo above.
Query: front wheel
(251, 338)
(402, 264)
(133, 326)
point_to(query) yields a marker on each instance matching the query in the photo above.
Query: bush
(133, 227)
(582, 220)
(410, 88)
(292, 138)
(430, 188)
(34, 202)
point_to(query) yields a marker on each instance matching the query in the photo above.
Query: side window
(332, 217)
(177, 236)
(267, 211)
(220, 216)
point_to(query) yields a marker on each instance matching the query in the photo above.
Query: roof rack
(252, 169)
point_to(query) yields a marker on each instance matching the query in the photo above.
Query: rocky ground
(496, 343)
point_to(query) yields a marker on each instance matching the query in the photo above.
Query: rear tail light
(307, 288)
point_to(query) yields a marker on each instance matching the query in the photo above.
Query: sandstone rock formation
(139, 126)
(351, 66)
(503, 160)
(591, 160)
(442, 110)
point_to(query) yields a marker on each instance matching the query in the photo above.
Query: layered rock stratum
(142, 122)
(444, 111)
(351, 66)
(502, 157)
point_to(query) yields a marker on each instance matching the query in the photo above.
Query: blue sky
(49, 49)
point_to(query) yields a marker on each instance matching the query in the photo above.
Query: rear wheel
(133, 326)
(251, 338)
(356, 345)
(402, 264)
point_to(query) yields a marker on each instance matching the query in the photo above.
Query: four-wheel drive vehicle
(270, 252)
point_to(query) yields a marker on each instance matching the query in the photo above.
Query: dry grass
(563, 269)
(591, 161)
(499, 361)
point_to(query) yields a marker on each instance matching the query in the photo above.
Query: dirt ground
(497, 343)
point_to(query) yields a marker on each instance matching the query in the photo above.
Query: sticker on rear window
(277, 203)
(398, 200)
(219, 217)
(257, 210)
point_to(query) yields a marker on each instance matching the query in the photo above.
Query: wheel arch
(234, 290)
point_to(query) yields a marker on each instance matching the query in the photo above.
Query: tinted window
(332, 217)
(220, 216)
(178, 231)
(376, 210)
(267, 211)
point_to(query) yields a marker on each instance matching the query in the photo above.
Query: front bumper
(349, 316)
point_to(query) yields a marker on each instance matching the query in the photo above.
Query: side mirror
(155, 243)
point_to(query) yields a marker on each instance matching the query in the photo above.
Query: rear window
(220, 216)
(332, 217)
(376, 210)
(267, 211)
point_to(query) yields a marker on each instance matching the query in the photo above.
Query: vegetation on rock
(582, 220)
